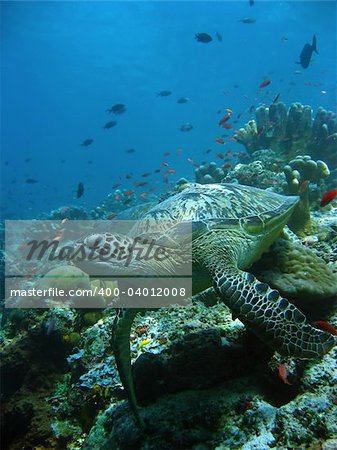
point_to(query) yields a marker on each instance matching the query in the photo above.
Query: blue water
(64, 63)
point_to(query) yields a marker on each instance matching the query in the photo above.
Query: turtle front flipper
(271, 317)
(121, 347)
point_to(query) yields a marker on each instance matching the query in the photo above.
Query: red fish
(325, 326)
(264, 83)
(219, 140)
(111, 216)
(220, 155)
(227, 166)
(127, 193)
(143, 194)
(227, 126)
(170, 171)
(282, 372)
(224, 119)
(328, 197)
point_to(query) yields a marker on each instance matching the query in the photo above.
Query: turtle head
(106, 254)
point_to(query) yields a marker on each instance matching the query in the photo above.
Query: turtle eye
(94, 241)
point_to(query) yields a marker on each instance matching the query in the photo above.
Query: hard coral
(299, 172)
(293, 132)
(209, 173)
(296, 272)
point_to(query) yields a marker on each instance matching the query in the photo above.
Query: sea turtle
(232, 226)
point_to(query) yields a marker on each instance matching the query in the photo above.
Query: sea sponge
(296, 272)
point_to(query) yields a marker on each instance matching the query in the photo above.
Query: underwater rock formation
(293, 132)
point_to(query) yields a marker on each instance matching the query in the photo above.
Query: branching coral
(293, 132)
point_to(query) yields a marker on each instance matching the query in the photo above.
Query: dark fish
(306, 53)
(110, 124)
(27, 160)
(87, 142)
(247, 20)
(182, 100)
(130, 150)
(251, 2)
(31, 181)
(186, 127)
(203, 37)
(164, 93)
(218, 35)
(276, 98)
(118, 108)
(80, 190)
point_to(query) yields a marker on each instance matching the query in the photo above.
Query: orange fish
(303, 186)
(170, 171)
(328, 197)
(143, 194)
(325, 326)
(219, 140)
(127, 193)
(111, 216)
(165, 164)
(220, 155)
(224, 119)
(265, 83)
(227, 166)
(282, 371)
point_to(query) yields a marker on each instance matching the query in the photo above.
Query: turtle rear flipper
(271, 317)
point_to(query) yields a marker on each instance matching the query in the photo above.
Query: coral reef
(293, 132)
(296, 272)
(209, 173)
(299, 173)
